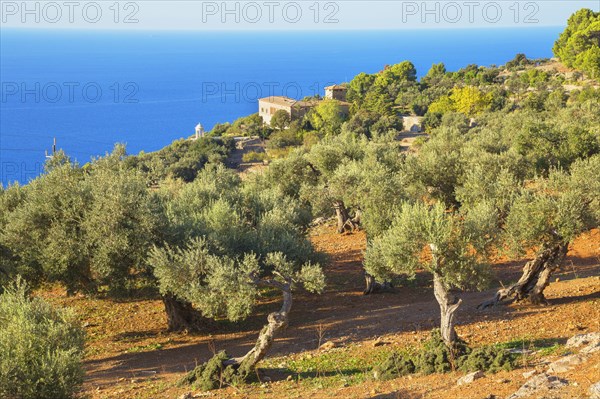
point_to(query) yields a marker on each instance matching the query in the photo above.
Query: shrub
(311, 138)
(488, 358)
(419, 141)
(432, 120)
(436, 357)
(283, 138)
(395, 365)
(214, 374)
(40, 348)
(254, 156)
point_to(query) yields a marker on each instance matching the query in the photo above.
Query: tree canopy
(578, 46)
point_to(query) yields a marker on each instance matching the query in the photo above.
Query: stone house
(267, 106)
(336, 92)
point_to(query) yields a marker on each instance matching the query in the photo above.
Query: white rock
(595, 391)
(538, 383)
(530, 374)
(566, 363)
(318, 221)
(469, 378)
(583, 339)
(592, 347)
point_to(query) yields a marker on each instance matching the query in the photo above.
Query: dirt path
(344, 314)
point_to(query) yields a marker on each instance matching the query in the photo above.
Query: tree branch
(271, 282)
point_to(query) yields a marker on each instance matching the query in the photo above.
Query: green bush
(40, 348)
(214, 374)
(488, 358)
(436, 357)
(395, 365)
(283, 138)
(254, 156)
(419, 141)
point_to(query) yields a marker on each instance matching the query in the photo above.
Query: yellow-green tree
(442, 105)
(327, 117)
(470, 100)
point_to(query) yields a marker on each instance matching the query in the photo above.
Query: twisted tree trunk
(277, 321)
(448, 306)
(234, 370)
(535, 278)
(448, 303)
(181, 316)
(342, 215)
(344, 221)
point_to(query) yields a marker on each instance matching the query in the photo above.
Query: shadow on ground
(342, 312)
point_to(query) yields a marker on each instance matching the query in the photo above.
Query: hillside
(381, 242)
(130, 356)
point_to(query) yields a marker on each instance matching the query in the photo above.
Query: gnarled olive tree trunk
(344, 221)
(535, 277)
(448, 303)
(448, 306)
(277, 321)
(357, 217)
(182, 316)
(373, 286)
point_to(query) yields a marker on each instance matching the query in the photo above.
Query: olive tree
(191, 210)
(353, 174)
(357, 179)
(43, 232)
(11, 198)
(227, 286)
(227, 240)
(41, 347)
(326, 158)
(435, 170)
(547, 216)
(85, 227)
(227, 220)
(448, 245)
(374, 186)
(305, 174)
(120, 223)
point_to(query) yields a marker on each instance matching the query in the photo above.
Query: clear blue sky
(287, 15)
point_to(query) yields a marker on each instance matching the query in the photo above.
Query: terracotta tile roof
(279, 100)
(289, 102)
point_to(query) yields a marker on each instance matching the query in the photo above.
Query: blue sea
(91, 89)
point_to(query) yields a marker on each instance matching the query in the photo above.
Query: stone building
(269, 105)
(336, 92)
(298, 108)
